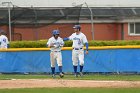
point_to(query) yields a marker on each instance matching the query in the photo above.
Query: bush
(28, 44)
(42, 43)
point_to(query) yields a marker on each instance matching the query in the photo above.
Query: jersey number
(79, 42)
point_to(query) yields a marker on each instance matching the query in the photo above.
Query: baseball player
(55, 43)
(4, 43)
(79, 39)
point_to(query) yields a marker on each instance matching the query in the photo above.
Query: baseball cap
(55, 32)
(77, 27)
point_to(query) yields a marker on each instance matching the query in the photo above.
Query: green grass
(86, 77)
(72, 90)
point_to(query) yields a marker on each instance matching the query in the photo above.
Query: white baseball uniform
(4, 42)
(55, 54)
(78, 51)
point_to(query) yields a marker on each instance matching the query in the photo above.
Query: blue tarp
(108, 60)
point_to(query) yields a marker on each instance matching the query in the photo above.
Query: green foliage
(68, 43)
(28, 44)
(114, 43)
(42, 43)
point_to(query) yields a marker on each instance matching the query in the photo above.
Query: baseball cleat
(76, 75)
(61, 75)
(81, 74)
(53, 76)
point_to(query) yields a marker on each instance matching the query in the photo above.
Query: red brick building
(108, 23)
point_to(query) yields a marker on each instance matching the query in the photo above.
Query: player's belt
(55, 51)
(77, 48)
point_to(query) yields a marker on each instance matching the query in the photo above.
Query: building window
(134, 28)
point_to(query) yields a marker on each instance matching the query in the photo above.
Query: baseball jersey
(58, 43)
(4, 41)
(78, 40)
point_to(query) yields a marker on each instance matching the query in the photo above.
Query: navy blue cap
(77, 27)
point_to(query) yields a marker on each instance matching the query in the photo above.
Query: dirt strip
(50, 83)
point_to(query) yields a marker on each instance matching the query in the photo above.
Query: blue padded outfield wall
(105, 60)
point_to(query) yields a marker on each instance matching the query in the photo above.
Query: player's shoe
(25, 73)
(81, 74)
(53, 76)
(76, 75)
(61, 75)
